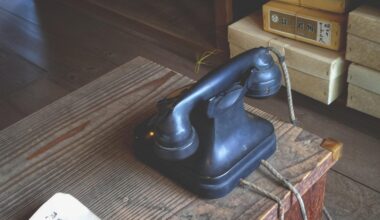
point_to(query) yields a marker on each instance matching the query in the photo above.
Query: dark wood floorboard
(349, 200)
(51, 47)
(9, 114)
(184, 47)
(64, 59)
(169, 16)
(36, 95)
(16, 72)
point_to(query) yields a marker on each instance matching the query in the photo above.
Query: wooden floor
(49, 48)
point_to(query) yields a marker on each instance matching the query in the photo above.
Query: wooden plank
(363, 100)
(81, 144)
(363, 52)
(61, 176)
(325, 91)
(103, 34)
(364, 22)
(16, 72)
(180, 19)
(95, 36)
(12, 115)
(36, 95)
(145, 41)
(350, 200)
(64, 59)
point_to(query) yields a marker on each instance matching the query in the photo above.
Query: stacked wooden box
(315, 72)
(317, 27)
(363, 49)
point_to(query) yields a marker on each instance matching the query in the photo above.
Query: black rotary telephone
(203, 138)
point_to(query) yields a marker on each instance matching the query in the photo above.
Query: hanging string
(327, 214)
(267, 194)
(287, 184)
(281, 59)
(275, 198)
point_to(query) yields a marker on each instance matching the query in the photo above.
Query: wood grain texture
(350, 200)
(81, 144)
(16, 72)
(64, 58)
(170, 17)
(104, 34)
(314, 201)
(12, 114)
(36, 95)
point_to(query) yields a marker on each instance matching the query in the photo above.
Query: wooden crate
(363, 40)
(320, 28)
(318, 65)
(364, 90)
(336, 6)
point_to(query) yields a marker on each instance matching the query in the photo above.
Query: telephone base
(185, 171)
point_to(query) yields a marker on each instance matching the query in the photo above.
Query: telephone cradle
(202, 137)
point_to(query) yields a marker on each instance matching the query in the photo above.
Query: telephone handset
(202, 137)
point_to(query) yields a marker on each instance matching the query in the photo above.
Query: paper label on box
(318, 31)
(324, 32)
(282, 22)
(306, 28)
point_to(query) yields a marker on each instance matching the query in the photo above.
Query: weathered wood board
(317, 63)
(350, 200)
(82, 145)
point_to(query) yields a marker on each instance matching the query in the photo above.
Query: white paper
(63, 207)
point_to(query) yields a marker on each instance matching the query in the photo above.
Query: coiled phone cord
(267, 165)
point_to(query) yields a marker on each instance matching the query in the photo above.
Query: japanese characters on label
(324, 32)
